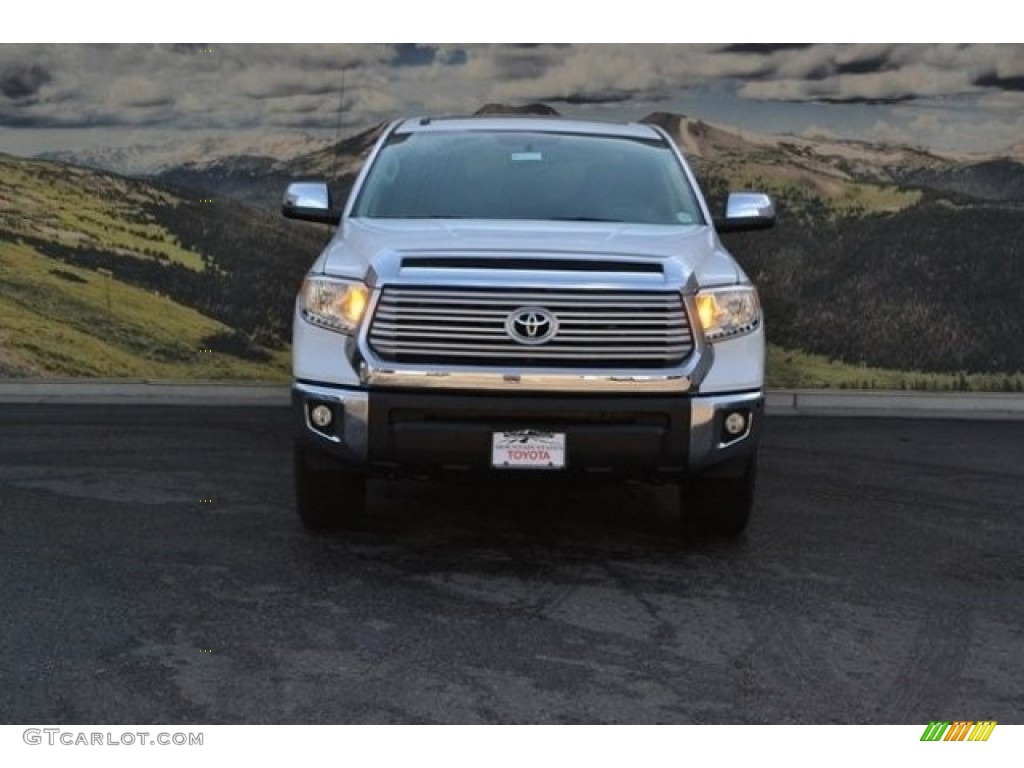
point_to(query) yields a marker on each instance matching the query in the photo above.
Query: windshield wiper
(423, 216)
(586, 218)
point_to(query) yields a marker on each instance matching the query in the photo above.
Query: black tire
(327, 500)
(719, 505)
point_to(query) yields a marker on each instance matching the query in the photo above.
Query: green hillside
(55, 321)
(82, 208)
(934, 288)
(93, 283)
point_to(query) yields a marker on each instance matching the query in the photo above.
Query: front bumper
(396, 432)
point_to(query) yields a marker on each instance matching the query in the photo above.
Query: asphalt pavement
(152, 570)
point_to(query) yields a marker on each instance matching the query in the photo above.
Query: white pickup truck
(527, 295)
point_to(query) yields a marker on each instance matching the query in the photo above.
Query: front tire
(719, 505)
(325, 499)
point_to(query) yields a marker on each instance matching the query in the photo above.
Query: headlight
(728, 312)
(337, 305)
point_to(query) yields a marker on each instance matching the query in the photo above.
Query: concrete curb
(908, 405)
(940, 405)
(143, 392)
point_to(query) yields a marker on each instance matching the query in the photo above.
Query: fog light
(321, 416)
(735, 423)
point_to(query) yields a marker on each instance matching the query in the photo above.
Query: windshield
(527, 175)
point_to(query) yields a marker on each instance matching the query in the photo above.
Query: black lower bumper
(401, 432)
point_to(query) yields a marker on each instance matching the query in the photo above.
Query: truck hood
(363, 243)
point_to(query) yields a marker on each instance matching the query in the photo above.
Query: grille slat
(596, 328)
(635, 332)
(517, 299)
(445, 352)
(391, 313)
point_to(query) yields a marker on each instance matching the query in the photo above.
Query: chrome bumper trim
(533, 381)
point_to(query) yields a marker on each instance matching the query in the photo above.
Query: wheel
(327, 499)
(720, 504)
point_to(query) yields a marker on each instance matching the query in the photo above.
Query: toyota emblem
(531, 325)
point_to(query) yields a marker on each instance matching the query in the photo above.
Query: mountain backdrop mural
(889, 267)
(893, 264)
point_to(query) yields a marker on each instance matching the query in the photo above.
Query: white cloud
(136, 91)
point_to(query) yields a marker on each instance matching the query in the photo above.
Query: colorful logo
(961, 730)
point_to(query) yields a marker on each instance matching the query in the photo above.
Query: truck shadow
(488, 519)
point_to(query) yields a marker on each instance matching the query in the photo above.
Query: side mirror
(746, 211)
(309, 201)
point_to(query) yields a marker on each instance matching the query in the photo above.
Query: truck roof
(545, 124)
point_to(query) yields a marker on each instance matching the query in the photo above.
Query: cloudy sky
(956, 98)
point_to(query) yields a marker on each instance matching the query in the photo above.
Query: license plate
(528, 449)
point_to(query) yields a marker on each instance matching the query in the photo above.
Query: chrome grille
(596, 328)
